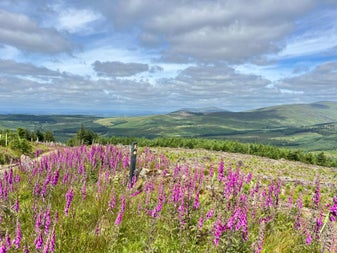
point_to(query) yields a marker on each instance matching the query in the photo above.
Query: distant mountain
(200, 110)
(306, 126)
(303, 114)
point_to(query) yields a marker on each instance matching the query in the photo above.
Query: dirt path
(24, 159)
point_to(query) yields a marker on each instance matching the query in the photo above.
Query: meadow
(79, 199)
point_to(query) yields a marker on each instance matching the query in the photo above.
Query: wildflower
(17, 205)
(126, 161)
(249, 178)
(97, 229)
(112, 202)
(55, 178)
(47, 221)
(317, 196)
(8, 239)
(221, 170)
(200, 222)
(154, 212)
(176, 193)
(333, 210)
(196, 201)
(38, 241)
(38, 222)
(308, 239)
(121, 212)
(210, 214)
(211, 171)
(218, 230)
(52, 241)
(69, 198)
(3, 248)
(119, 219)
(134, 194)
(318, 226)
(84, 191)
(298, 218)
(18, 238)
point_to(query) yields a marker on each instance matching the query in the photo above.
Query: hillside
(63, 126)
(307, 126)
(311, 127)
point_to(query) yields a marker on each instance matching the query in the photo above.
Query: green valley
(309, 127)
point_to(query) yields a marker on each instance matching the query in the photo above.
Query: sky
(130, 57)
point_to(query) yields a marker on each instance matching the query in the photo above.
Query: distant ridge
(200, 110)
(304, 126)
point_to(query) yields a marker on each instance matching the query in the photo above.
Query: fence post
(133, 162)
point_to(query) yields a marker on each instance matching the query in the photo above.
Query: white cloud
(318, 84)
(20, 31)
(76, 20)
(10, 67)
(180, 52)
(231, 31)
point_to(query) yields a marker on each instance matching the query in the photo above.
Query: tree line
(268, 151)
(19, 140)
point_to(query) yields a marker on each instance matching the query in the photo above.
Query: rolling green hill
(311, 127)
(305, 126)
(63, 126)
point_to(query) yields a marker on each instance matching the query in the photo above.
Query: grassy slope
(294, 126)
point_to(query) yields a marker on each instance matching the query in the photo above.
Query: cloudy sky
(135, 56)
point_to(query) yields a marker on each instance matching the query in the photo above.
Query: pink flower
(3, 248)
(333, 210)
(210, 214)
(69, 198)
(317, 196)
(308, 239)
(196, 201)
(38, 241)
(121, 212)
(17, 205)
(47, 221)
(18, 236)
(221, 170)
(218, 230)
(200, 223)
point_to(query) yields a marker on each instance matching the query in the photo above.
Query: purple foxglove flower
(333, 210)
(200, 223)
(308, 239)
(196, 201)
(210, 214)
(38, 241)
(221, 170)
(3, 248)
(69, 198)
(18, 238)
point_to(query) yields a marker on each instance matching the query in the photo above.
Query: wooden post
(133, 162)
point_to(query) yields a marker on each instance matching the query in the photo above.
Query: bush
(21, 146)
